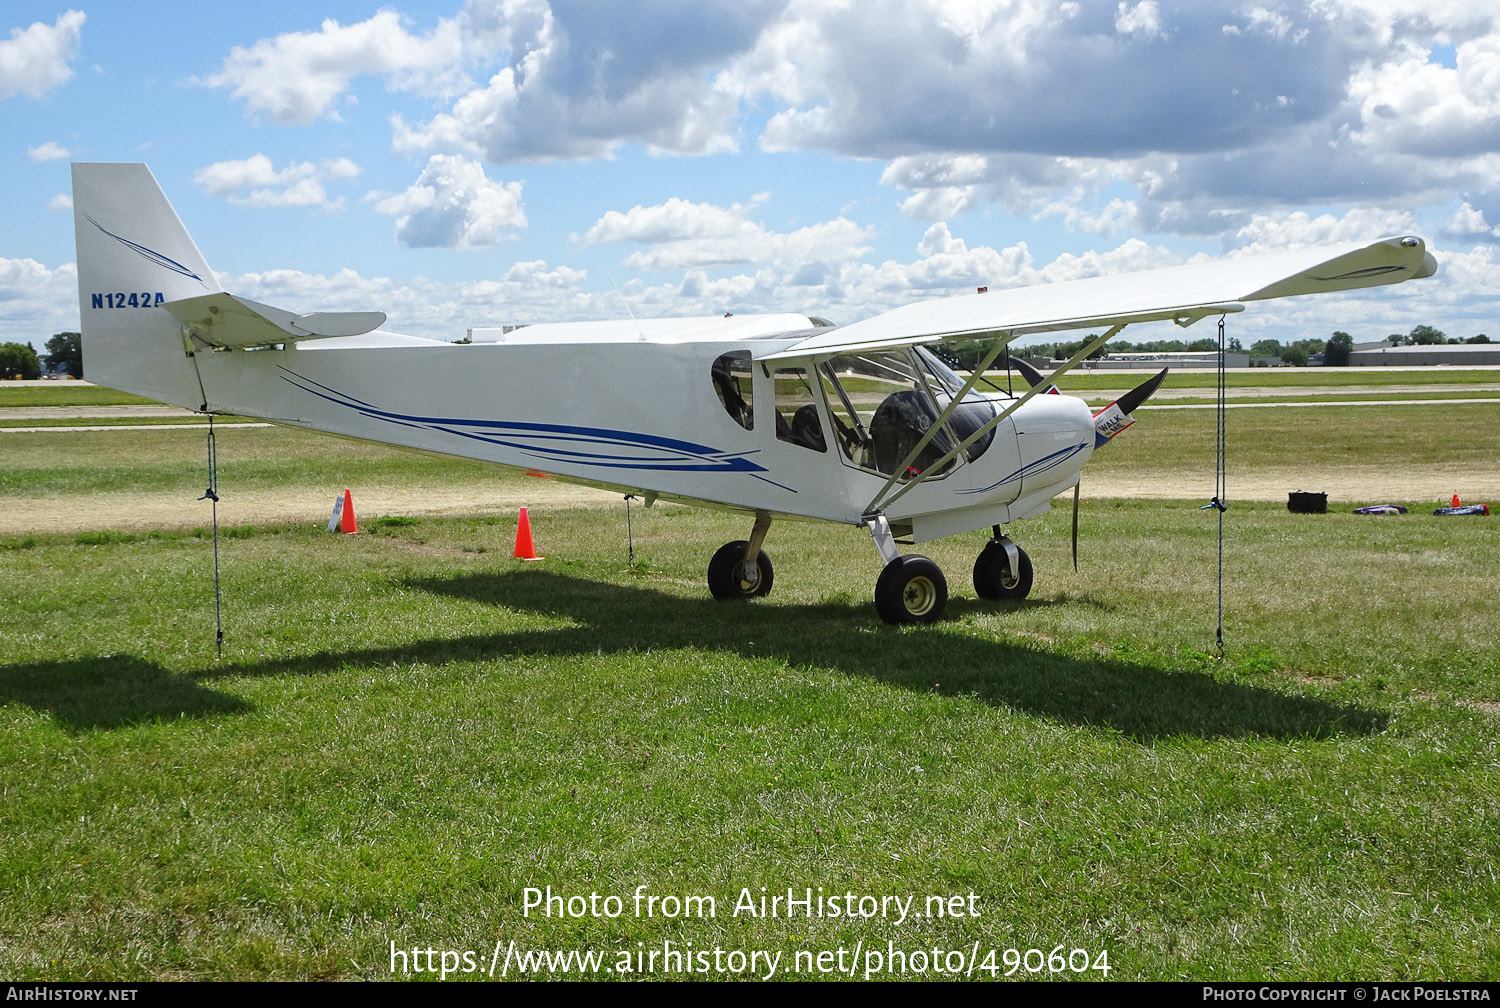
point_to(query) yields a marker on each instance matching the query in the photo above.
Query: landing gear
(1000, 575)
(911, 589)
(732, 575)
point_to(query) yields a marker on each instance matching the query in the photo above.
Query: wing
(1182, 293)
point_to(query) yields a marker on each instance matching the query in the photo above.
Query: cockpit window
(882, 404)
(973, 413)
(731, 378)
(881, 408)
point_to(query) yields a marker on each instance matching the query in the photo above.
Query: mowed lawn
(408, 730)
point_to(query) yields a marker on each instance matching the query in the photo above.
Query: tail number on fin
(135, 299)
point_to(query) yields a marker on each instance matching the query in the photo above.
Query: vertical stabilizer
(134, 256)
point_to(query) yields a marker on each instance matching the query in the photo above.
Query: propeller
(1115, 417)
(1108, 422)
(1032, 376)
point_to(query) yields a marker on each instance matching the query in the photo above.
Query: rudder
(134, 255)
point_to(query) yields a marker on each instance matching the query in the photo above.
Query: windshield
(883, 404)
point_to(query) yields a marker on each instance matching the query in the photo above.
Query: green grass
(408, 728)
(68, 394)
(1084, 380)
(1439, 441)
(1427, 395)
(49, 464)
(115, 421)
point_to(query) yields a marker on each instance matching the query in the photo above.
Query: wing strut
(878, 504)
(954, 402)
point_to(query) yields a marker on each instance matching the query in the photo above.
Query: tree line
(64, 355)
(1335, 350)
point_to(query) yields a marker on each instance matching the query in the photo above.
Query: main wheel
(726, 573)
(993, 578)
(911, 589)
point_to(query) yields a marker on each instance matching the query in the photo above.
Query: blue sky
(460, 164)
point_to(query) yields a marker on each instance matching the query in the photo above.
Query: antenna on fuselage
(639, 331)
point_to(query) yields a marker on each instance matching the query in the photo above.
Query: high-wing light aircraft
(775, 416)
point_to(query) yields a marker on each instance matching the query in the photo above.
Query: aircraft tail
(134, 256)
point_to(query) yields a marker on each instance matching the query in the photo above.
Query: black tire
(726, 573)
(992, 572)
(911, 589)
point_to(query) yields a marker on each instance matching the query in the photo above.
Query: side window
(849, 427)
(731, 378)
(796, 413)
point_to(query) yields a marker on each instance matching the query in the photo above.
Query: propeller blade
(1077, 488)
(1032, 376)
(1130, 400)
(1115, 417)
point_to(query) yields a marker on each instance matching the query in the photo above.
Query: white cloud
(37, 300)
(48, 151)
(1415, 106)
(1241, 124)
(1034, 76)
(298, 77)
(528, 291)
(1301, 230)
(684, 235)
(1251, 107)
(578, 80)
(34, 60)
(1296, 105)
(1470, 222)
(62, 201)
(1117, 216)
(1142, 19)
(298, 184)
(453, 204)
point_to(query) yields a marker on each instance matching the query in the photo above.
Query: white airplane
(775, 416)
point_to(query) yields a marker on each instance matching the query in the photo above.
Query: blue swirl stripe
(151, 254)
(564, 443)
(1035, 467)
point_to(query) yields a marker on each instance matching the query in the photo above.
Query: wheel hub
(920, 595)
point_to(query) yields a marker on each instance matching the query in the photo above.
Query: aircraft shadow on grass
(112, 691)
(1141, 702)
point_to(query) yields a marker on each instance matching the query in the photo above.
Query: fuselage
(689, 414)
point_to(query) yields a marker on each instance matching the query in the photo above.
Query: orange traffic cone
(1455, 501)
(346, 518)
(525, 548)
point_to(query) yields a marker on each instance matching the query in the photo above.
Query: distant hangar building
(1155, 361)
(1455, 354)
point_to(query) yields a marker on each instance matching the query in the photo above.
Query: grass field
(408, 729)
(66, 394)
(1085, 380)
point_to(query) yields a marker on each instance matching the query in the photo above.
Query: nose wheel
(1003, 571)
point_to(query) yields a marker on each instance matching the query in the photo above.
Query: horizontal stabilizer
(1182, 294)
(224, 320)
